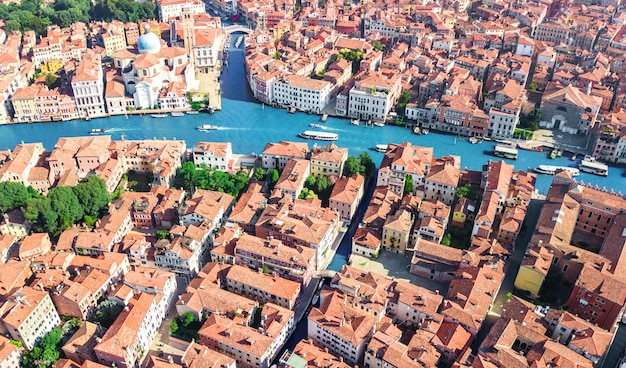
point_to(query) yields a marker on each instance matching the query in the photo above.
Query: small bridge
(326, 273)
(236, 28)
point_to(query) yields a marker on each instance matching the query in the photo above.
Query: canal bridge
(236, 28)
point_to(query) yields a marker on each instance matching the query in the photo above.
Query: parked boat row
(552, 170)
(590, 165)
(320, 136)
(506, 151)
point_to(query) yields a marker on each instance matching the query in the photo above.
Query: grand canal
(249, 126)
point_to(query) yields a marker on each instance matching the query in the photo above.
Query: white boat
(379, 124)
(506, 151)
(417, 130)
(319, 136)
(97, 131)
(206, 127)
(178, 114)
(590, 165)
(192, 112)
(355, 122)
(159, 116)
(474, 140)
(317, 126)
(551, 170)
(425, 131)
(382, 147)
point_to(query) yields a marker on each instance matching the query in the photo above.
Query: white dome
(149, 43)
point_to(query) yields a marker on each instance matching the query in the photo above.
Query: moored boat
(590, 165)
(506, 151)
(475, 140)
(206, 127)
(355, 122)
(159, 116)
(178, 114)
(551, 170)
(425, 131)
(320, 136)
(417, 130)
(382, 147)
(379, 124)
(529, 147)
(192, 112)
(97, 131)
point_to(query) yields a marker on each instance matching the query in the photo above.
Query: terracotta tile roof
(288, 149)
(122, 335)
(212, 300)
(453, 337)
(199, 356)
(278, 286)
(347, 189)
(275, 251)
(367, 237)
(350, 324)
(603, 284)
(22, 304)
(244, 338)
(317, 357)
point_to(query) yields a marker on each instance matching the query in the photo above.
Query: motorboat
(97, 131)
(206, 127)
(320, 136)
(159, 116)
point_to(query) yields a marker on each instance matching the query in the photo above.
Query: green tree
(276, 55)
(532, 87)
(463, 191)
(369, 167)
(15, 195)
(162, 234)
(52, 81)
(378, 45)
(259, 174)
(174, 326)
(274, 175)
(46, 353)
(184, 178)
(408, 184)
(65, 203)
(40, 214)
(352, 166)
(187, 319)
(106, 313)
(307, 193)
(447, 240)
(403, 100)
(92, 195)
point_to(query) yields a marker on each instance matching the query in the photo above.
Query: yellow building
(113, 42)
(462, 209)
(396, 231)
(25, 104)
(328, 160)
(533, 270)
(50, 66)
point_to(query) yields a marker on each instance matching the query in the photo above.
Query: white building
(215, 155)
(149, 73)
(302, 93)
(131, 335)
(29, 315)
(373, 96)
(182, 255)
(169, 9)
(344, 330)
(207, 48)
(88, 87)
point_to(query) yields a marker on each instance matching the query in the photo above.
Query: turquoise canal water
(249, 126)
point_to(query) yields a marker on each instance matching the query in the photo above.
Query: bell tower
(189, 36)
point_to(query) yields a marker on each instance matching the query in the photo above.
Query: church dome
(149, 43)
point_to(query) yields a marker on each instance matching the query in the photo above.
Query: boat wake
(230, 128)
